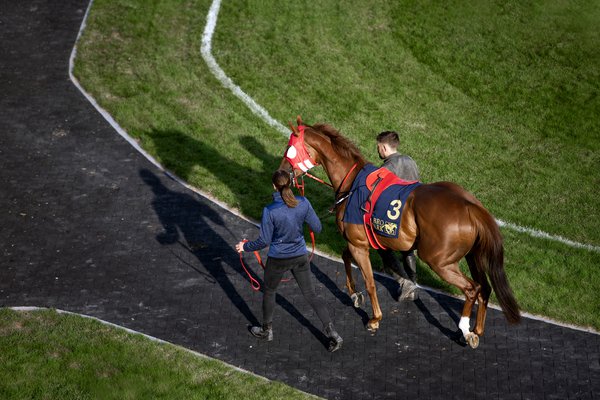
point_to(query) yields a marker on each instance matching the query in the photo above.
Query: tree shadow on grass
(183, 154)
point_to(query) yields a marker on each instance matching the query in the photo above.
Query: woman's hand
(240, 246)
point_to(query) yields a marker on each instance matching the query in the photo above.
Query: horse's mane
(341, 144)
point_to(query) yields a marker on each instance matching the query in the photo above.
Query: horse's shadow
(197, 153)
(338, 293)
(186, 221)
(449, 305)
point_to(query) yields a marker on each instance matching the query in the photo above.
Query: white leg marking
(464, 325)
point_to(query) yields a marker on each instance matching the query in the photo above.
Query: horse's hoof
(473, 340)
(372, 326)
(357, 299)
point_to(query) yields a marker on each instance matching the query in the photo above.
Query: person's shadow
(186, 221)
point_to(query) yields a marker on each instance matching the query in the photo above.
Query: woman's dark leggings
(300, 267)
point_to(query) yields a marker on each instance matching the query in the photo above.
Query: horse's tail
(488, 254)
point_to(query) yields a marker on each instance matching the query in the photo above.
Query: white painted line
(102, 111)
(211, 23)
(205, 49)
(543, 235)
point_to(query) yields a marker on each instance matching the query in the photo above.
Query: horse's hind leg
(483, 296)
(452, 274)
(357, 298)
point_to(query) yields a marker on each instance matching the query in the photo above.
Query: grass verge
(49, 355)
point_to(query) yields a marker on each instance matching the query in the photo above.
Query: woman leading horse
(441, 221)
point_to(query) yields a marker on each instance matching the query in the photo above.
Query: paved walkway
(90, 226)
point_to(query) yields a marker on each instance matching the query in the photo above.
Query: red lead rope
(253, 282)
(312, 239)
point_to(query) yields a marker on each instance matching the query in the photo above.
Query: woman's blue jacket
(282, 228)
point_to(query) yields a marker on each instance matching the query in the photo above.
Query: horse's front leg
(357, 298)
(361, 256)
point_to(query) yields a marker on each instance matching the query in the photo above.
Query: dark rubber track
(88, 225)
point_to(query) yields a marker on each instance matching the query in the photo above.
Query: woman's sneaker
(262, 332)
(335, 340)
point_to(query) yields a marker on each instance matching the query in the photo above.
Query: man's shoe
(407, 291)
(335, 340)
(262, 332)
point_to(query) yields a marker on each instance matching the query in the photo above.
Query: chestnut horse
(441, 221)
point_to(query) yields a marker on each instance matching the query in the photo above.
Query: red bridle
(300, 159)
(297, 154)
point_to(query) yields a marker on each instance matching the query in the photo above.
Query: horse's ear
(294, 129)
(299, 120)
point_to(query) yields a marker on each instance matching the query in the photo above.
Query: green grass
(47, 355)
(499, 97)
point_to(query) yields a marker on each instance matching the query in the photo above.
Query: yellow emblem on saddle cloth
(386, 227)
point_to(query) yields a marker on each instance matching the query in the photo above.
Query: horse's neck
(345, 177)
(332, 168)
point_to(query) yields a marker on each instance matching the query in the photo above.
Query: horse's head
(320, 144)
(299, 157)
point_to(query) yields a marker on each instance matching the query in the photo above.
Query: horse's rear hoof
(357, 299)
(473, 340)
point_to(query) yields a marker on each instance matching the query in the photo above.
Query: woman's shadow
(187, 221)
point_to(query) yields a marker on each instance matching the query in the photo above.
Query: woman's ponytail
(282, 181)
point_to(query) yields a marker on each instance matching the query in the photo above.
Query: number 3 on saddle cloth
(377, 200)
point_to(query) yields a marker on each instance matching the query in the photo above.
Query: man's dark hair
(390, 138)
